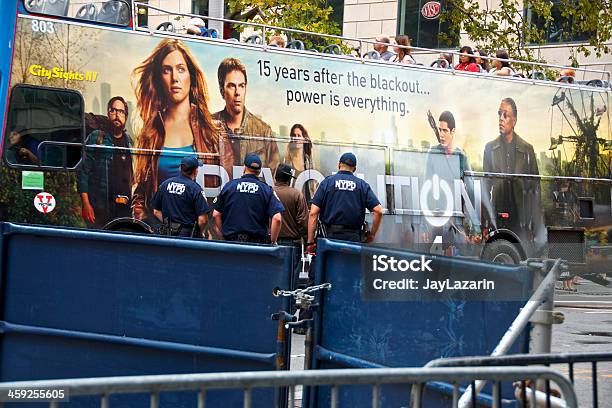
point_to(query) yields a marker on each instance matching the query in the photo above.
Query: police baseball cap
(349, 159)
(285, 169)
(252, 161)
(189, 163)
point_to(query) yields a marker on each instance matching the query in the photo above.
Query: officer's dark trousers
(185, 232)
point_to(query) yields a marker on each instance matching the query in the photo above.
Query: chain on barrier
(302, 298)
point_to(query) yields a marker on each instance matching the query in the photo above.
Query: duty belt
(175, 228)
(339, 228)
(245, 237)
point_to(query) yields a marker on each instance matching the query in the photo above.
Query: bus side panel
(8, 9)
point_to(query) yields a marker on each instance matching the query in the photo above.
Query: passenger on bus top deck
(276, 41)
(567, 75)
(249, 133)
(502, 68)
(196, 26)
(445, 56)
(247, 209)
(467, 62)
(340, 203)
(402, 54)
(172, 99)
(483, 62)
(382, 49)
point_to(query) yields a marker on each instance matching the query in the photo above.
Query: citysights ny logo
(385, 263)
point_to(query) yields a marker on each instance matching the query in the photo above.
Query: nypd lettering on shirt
(176, 188)
(346, 185)
(246, 187)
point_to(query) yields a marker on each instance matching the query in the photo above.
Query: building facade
(419, 19)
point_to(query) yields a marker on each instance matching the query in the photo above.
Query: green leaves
(306, 15)
(516, 24)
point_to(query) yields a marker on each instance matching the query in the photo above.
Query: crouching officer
(180, 202)
(243, 209)
(340, 203)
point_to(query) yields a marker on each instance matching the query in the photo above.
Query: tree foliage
(306, 15)
(517, 24)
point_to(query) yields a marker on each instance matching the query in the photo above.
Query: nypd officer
(180, 202)
(340, 203)
(245, 206)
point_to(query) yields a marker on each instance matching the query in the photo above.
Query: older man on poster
(515, 196)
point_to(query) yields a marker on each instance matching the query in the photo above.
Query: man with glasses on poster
(104, 181)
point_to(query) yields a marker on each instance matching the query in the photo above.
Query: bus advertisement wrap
(454, 159)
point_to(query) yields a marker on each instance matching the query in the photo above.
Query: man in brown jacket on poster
(239, 122)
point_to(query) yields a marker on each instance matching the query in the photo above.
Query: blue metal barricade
(79, 303)
(357, 327)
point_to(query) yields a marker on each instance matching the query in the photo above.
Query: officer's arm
(312, 221)
(202, 221)
(217, 218)
(275, 226)
(158, 214)
(377, 213)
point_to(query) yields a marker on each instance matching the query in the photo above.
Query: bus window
(115, 12)
(44, 128)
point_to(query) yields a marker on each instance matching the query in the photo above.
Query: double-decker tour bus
(98, 111)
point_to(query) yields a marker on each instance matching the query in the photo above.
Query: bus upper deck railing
(536, 74)
(248, 381)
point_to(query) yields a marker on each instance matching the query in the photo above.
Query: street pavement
(587, 328)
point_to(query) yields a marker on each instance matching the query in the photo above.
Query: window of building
(560, 29)
(199, 7)
(44, 128)
(415, 20)
(116, 12)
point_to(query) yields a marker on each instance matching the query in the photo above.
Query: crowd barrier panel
(77, 303)
(354, 329)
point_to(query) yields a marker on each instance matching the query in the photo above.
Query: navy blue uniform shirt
(246, 205)
(343, 199)
(181, 199)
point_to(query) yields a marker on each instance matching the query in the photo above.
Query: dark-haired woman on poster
(299, 155)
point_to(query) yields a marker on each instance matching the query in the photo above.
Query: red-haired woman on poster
(173, 104)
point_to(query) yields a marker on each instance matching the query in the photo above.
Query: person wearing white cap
(196, 26)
